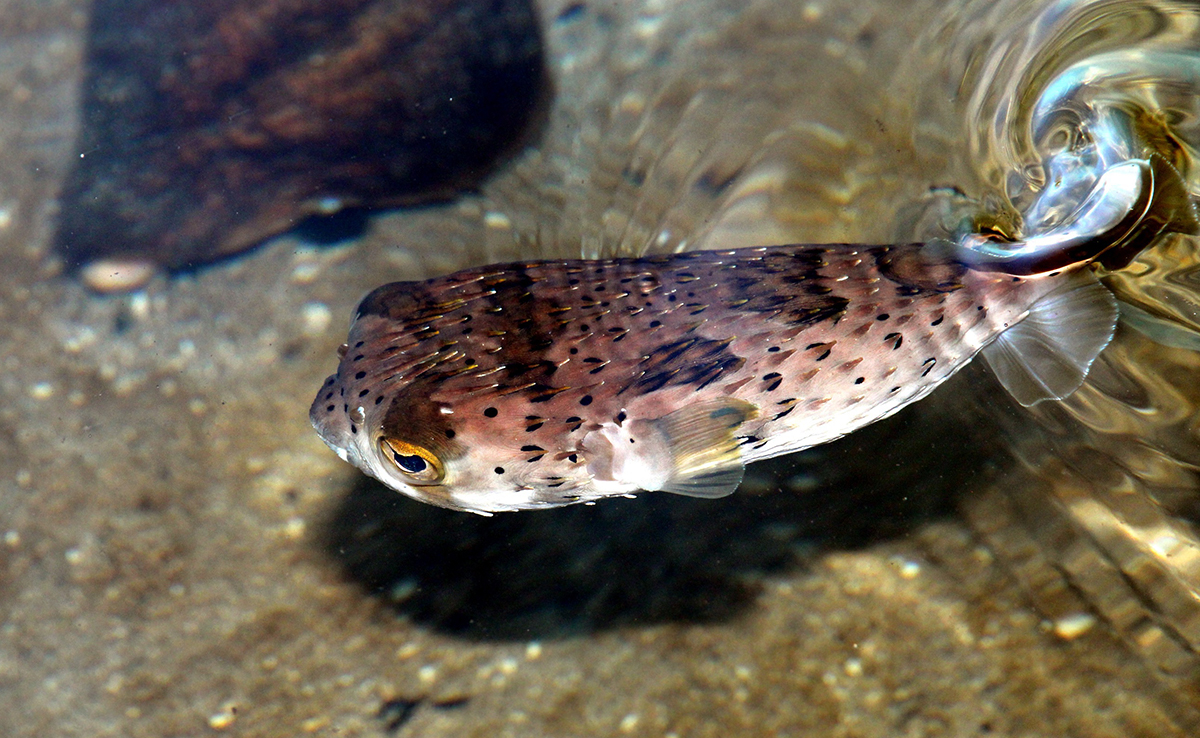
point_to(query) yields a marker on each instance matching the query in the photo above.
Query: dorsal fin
(1048, 354)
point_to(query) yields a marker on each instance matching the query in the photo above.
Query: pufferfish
(546, 383)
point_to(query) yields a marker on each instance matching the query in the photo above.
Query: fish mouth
(324, 417)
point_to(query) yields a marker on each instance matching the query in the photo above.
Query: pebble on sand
(117, 275)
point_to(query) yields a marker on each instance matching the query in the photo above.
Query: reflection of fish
(547, 383)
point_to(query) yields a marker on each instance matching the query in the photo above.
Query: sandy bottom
(180, 555)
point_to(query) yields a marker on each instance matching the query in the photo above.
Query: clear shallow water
(1104, 493)
(1002, 115)
(182, 555)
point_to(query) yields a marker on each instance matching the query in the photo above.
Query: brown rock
(210, 125)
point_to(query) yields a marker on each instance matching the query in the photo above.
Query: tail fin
(1048, 354)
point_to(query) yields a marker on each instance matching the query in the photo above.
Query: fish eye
(419, 465)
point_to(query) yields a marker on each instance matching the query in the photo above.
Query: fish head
(464, 393)
(440, 435)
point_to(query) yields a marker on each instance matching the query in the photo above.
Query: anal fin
(1048, 354)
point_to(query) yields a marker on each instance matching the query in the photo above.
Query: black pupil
(411, 464)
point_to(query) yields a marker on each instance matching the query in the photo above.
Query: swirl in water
(1099, 520)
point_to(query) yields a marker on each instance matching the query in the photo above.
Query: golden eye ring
(418, 465)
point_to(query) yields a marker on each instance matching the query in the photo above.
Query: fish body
(545, 383)
(517, 377)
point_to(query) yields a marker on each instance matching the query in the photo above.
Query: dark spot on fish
(621, 416)
(656, 381)
(364, 393)
(928, 364)
(585, 400)
(499, 470)
(467, 331)
(329, 396)
(894, 389)
(773, 349)
(450, 433)
(359, 344)
(345, 408)
(353, 428)
(490, 412)
(882, 316)
(359, 357)
(330, 408)
(574, 350)
(572, 281)
(573, 458)
(532, 448)
(583, 327)
(898, 338)
(546, 393)
(572, 419)
(671, 298)
(379, 399)
(1054, 274)
(360, 375)
(785, 412)
(979, 307)
(939, 320)
(532, 428)
(451, 703)
(860, 380)
(655, 323)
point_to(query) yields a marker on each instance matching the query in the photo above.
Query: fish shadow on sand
(658, 557)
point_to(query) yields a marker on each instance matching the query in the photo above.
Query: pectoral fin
(1048, 354)
(693, 451)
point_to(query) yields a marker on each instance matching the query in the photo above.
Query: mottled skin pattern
(502, 370)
